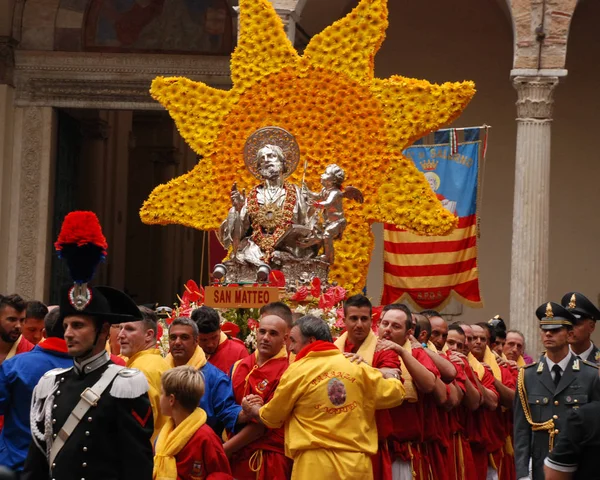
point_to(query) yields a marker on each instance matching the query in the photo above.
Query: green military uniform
(541, 406)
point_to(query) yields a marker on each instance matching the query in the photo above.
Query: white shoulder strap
(89, 398)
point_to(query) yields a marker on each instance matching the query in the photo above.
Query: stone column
(530, 240)
(29, 248)
(7, 95)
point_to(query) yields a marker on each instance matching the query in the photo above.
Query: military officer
(548, 390)
(586, 314)
(91, 421)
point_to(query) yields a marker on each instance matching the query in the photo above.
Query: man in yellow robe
(138, 342)
(328, 407)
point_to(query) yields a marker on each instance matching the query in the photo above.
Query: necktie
(557, 374)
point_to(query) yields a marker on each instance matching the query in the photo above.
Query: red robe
(201, 456)
(248, 378)
(382, 464)
(479, 431)
(463, 467)
(407, 420)
(227, 353)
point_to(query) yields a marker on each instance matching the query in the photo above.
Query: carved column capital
(7, 59)
(535, 97)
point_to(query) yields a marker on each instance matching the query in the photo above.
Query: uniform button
(555, 417)
(555, 402)
(87, 434)
(58, 392)
(55, 405)
(85, 449)
(62, 379)
(556, 431)
(89, 419)
(53, 465)
(575, 401)
(54, 436)
(84, 464)
(54, 420)
(537, 401)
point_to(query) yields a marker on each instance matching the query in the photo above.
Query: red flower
(326, 301)
(300, 294)
(315, 287)
(277, 278)
(230, 328)
(159, 332)
(338, 293)
(252, 324)
(193, 293)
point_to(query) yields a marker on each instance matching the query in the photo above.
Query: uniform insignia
(597, 357)
(261, 387)
(80, 296)
(576, 365)
(142, 421)
(540, 368)
(197, 471)
(336, 391)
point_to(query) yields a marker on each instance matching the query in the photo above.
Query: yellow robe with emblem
(152, 365)
(327, 439)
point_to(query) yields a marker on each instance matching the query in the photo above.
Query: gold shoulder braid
(548, 425)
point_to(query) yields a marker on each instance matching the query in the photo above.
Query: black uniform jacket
(112, 442)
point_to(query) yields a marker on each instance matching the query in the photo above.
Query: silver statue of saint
(272, 217)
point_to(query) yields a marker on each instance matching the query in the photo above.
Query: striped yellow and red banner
(432, 270)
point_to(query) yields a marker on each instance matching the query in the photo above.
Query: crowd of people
(86, 394)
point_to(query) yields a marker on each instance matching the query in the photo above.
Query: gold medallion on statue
(270, 216)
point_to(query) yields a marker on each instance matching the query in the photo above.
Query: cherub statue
(329, 202)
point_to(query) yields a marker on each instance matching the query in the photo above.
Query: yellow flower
(338, 112)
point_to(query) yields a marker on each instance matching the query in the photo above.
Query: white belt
(89, 398)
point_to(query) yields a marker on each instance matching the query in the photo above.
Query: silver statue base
(297, 271)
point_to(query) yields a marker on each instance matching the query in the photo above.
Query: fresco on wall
(173, 26)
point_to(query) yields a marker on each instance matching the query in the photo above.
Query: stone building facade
(79, 130)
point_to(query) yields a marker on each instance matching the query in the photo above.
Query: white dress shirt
(562, 364)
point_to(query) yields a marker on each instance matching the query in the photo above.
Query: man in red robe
(484, 438)
(421, 378)
(257, 452)
(221, 350)
(463, 467)
(360, 340)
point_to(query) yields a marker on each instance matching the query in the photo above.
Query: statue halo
(272, 136)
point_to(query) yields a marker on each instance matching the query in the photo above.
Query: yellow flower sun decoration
(339, 113)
